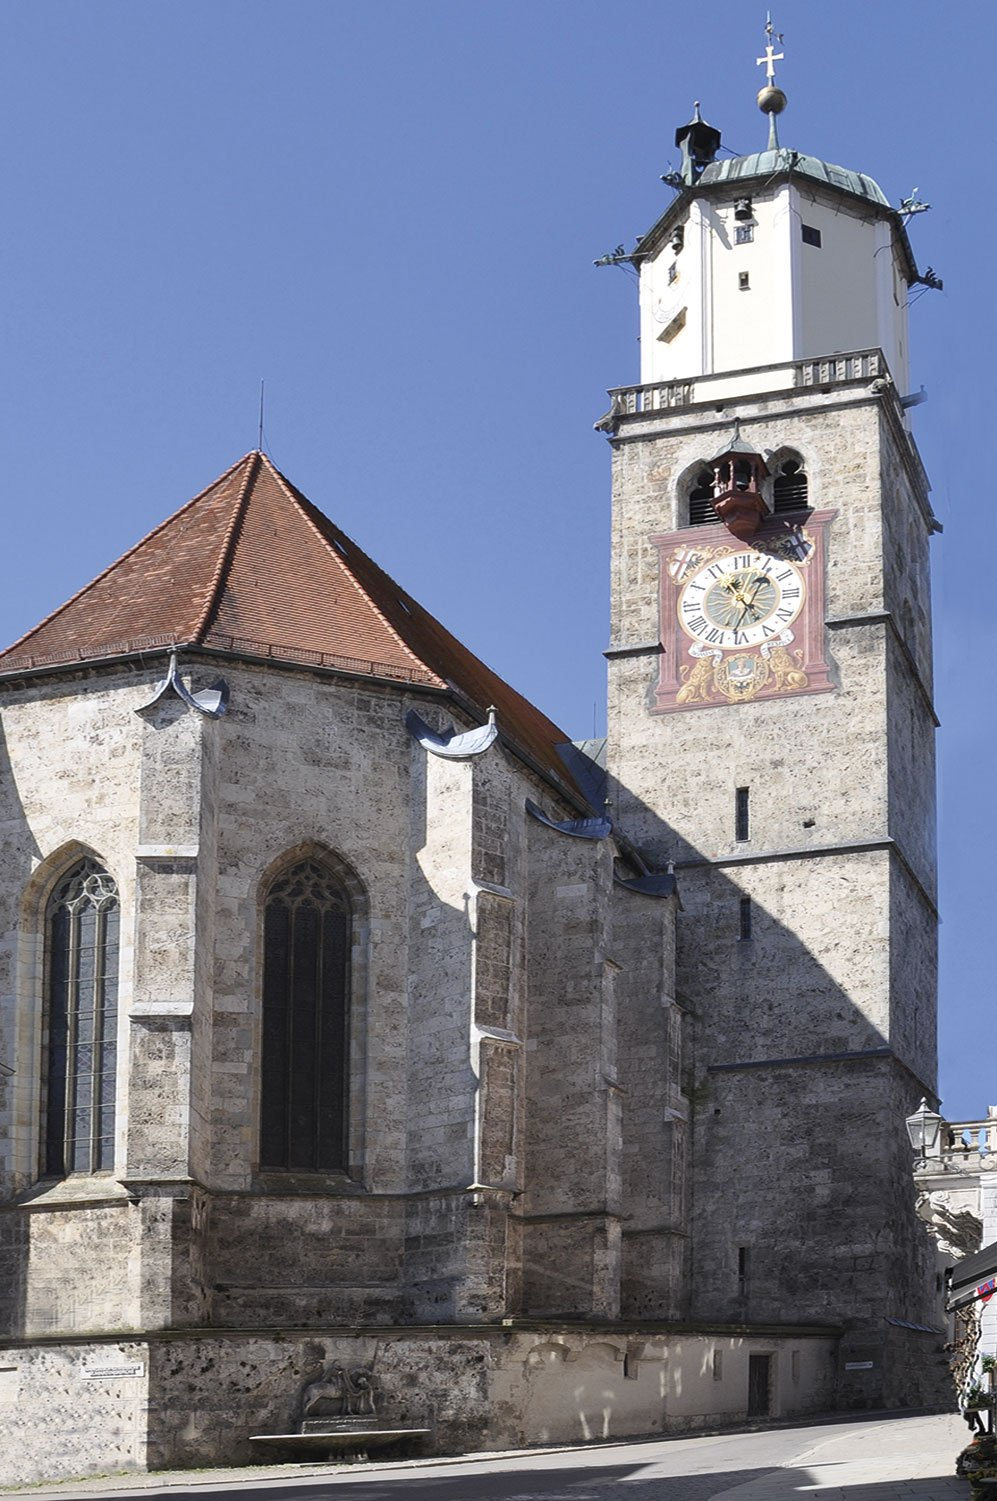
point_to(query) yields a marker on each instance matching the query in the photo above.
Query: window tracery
(307, 925)
(81, 1016)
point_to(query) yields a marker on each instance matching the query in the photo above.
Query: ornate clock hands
(748, 606)
(736, 602)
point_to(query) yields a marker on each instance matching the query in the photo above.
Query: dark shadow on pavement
(583, 1482)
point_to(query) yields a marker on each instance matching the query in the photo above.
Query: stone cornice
(817, 852)
(499, 1328)
(886, 617)
(819, 1060)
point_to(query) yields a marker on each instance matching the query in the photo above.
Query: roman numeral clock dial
(744, 599)
(742, 622)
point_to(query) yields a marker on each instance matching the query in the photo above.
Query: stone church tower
(771, 728)
(353, 1018)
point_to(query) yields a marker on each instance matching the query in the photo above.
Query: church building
(355, 1018)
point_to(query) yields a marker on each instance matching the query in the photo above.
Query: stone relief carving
(956, 1230)
(340, 1392)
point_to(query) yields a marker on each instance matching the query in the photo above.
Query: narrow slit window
(718, 1365)
(745, 919)
(742, 1271)
(743, 282)
(742, 819)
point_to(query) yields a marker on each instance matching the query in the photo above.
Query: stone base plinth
(202, 1397)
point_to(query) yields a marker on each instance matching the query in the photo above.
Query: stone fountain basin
(318, 1434)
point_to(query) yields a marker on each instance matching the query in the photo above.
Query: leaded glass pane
(305, 1021)
(81, 1009)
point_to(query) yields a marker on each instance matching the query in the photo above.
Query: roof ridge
(296, 498)
(60, 609)
(228, 544)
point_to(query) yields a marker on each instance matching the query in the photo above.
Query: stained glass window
(82, 1010)
(306, 974)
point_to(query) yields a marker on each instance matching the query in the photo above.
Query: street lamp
(923, 1128)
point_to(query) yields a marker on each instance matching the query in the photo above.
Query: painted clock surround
(708, 662)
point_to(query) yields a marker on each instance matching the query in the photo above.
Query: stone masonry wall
(194, 1400)
(655, 1108)
(435, 856)
(305, 1258)
(60, 743)
(827, 1251)
(571, 1207)
(838, 957)
(91, 1394)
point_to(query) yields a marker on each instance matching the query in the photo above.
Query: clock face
(741, 599)
(741, 622)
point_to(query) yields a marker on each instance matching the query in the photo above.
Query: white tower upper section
(770, 258)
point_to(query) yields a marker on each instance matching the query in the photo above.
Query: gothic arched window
(306, 1003)
(81, 1014)
(789, 491)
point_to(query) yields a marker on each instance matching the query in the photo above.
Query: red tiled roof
(251, 566)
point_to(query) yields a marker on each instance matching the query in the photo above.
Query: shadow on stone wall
(802, 1200)
(20, 852)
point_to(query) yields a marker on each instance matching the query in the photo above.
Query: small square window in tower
(743, 283)
(744, 234)
(811, 236)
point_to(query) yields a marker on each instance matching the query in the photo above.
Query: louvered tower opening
(789, 493)
(701, 511)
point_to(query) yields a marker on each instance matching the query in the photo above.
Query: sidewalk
(896, 1460)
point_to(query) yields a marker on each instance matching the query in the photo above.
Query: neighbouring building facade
(351, 1012)
(956, 1182)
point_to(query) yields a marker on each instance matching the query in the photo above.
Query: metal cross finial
(771, 55)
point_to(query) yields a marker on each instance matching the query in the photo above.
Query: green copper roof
(770, 163)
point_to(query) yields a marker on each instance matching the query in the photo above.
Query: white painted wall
(988, 1214)
(801, 301)
(754, 325)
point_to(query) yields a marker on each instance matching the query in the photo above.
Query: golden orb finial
(771, 101)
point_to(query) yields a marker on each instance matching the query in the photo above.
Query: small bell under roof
(699, 143)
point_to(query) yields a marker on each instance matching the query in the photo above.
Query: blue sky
(390, 212)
